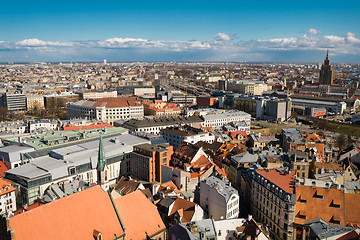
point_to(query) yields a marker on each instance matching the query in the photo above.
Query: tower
(326, 72)
(102, 168)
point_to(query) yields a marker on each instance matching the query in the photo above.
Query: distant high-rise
(326, 72)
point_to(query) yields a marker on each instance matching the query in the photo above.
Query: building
(7, 197)
(15, 102)
(86, 215)
(220, 119)
(219, 199)
(96, 94)
(326, 72)
(331, 107)
(206, 101)
(251, 87)
(176, 135)
(89, 214)
(153, 126)
(60, 100)
(273, 201)
(106, 110)
(160, 108)
(42, 124)
(326, 200)
(77, 160)
(273, 109)
(34, 102)
(144, 162)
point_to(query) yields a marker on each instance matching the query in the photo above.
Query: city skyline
(191, 31)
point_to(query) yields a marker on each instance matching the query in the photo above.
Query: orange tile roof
(72, 217)
(139, 216)
(185, 207)
(168, 187)
(96, 125)
(312, 137)
(3, 168)
(283, 181)
(352, 211)
(117, 102)
(5, 187)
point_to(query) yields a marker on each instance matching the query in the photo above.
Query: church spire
(101, 155)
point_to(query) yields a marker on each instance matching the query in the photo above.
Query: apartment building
(34, 101)
(220, 119)
(219, 199)
(106, 110)
(7, 197)
(144, 162)
(273, 201)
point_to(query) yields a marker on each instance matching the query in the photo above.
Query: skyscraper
(326, 72)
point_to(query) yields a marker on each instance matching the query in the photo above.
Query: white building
(106, 109)
(252, 87)
(218, 120)
(176, 135)
(331, 107)
(42, 124)
(219, 199)
(98, 94)
(7, 197)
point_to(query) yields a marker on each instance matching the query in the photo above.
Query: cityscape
(199, 120)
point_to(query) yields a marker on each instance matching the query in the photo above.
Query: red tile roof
(283, 181)
(72, 217)
(5, 187)
(96, 125)
(139, 216)
(3, 168)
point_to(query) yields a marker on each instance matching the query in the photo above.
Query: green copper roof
(62, 138)
(101, 155)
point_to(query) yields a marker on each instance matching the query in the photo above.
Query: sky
(197, 30)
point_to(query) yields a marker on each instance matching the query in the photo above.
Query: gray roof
(223, 188)
(324, 230)
(245, 157)
(136, 123)
(195, 229)
(57, 163)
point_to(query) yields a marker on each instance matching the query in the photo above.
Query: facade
(7, 197)
(15, 102)
(218, 120)
(153, 126)
(273, 201)
(176, 135)
(144, 162)
(160, 108)
(252, 87)
(331, 107)
(34, 101)
(326, 72)
(219, 199)
(107, 110)
(42, 124)
(273, 109)
(206, 101)
(97, 94)
(77, 160)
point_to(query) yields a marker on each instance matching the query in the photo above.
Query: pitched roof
(139, 216)
(73, 217)
(283, 181)
(185, 209)
(3, 169)
(5, 187)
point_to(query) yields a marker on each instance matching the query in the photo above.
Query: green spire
(101, 155)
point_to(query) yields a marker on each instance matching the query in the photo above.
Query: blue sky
(179, 31)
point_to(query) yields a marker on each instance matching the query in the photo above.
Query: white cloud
(313, 31)
(218, 49)
(222, 37)
(39, 43)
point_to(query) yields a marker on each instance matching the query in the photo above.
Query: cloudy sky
(197, 30)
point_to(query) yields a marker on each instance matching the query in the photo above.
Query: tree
(3, 114)
(342, 141)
